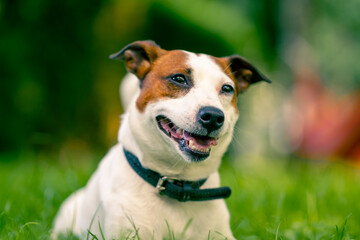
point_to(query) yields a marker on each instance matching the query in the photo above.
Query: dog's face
(187, 101)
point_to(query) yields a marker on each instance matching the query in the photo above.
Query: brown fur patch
(157, 85)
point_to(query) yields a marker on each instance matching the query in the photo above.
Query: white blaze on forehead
(206, 70)
(208, 78)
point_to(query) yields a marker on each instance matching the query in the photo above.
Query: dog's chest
(162, 217)
(134, 203)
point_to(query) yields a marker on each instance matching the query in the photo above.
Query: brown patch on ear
(157, 84)
(243, 72)
(244, 79)
(139, 56)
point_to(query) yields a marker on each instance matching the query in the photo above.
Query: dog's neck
(181, 190)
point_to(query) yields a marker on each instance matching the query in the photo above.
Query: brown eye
(179, 79)
(227, 89)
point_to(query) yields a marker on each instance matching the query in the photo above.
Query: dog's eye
(179, 79)
(227, 89)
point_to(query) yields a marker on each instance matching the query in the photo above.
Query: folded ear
(139, 56)
(244, 72)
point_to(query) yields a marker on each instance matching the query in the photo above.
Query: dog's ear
(244, 72)
(139, 56)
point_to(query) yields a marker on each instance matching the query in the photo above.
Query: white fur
(118, 199)
(128, 88)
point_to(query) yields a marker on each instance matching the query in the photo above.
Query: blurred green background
(59, 90)
(60, 108)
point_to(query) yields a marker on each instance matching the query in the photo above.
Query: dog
(161, 179)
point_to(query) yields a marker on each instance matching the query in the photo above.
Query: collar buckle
(160, 186)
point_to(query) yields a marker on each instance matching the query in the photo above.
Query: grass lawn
(271, 199)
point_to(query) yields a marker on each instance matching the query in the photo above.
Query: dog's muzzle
(196, 146)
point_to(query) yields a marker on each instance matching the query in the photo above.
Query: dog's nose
(210, 118)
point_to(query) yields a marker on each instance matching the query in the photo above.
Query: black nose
(210, 118)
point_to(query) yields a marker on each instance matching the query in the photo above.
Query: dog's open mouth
(197, 146)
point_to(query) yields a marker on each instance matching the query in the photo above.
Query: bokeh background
(59, 90)
(294, 163)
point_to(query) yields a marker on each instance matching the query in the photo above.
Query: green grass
(293, 199)
(271, 199)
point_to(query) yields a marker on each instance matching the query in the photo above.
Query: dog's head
(186, 107)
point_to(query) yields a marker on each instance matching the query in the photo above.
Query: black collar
(180, 190)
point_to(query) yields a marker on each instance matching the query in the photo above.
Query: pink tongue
(199, 141)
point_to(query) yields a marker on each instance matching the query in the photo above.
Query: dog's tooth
(179, 131)
(205, 150)
(191, 143)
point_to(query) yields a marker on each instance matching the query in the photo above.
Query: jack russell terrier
(162, 179)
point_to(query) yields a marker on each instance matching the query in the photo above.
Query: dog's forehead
(171, 61)
(206, 67)
(201, 66)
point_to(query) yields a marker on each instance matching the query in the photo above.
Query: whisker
(177, 161)
(161, 120)
(227, 66)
